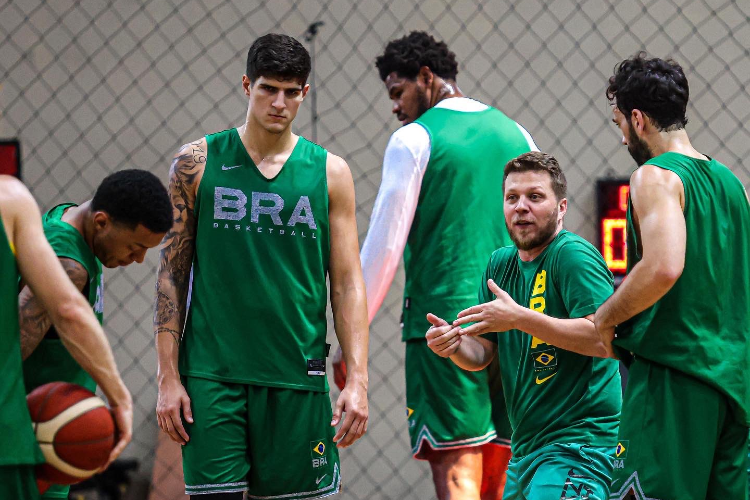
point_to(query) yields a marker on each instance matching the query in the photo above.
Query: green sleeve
(583, 279)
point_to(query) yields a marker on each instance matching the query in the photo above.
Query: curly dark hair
(278, 56)
(406, 55)
(655, 86)
(133, 197)
(539, 162)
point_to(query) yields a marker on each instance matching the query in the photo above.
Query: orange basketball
(75, 431)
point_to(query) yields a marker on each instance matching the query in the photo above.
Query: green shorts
(560, 471)
(18, 481)
(270, 442)
(447, 407)
(57, 491)
(678, 439)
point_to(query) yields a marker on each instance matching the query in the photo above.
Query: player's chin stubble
(542, 237)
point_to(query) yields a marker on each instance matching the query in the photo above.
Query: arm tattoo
(33, 319)
(176, 256)
(175, 335)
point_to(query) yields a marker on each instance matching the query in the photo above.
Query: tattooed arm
(33, 317)
(173, 279)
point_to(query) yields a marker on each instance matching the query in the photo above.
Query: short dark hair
(657, 87)
(406, 55)
(278, 56)
(133, 197)
(539, 162)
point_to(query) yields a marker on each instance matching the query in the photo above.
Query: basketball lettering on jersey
(230, 204)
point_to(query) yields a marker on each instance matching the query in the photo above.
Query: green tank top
(51, 361)
(258, 303)
(554, 395)
(459, 220)
(702, 325)
(18, 445)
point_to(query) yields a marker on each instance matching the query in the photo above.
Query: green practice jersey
(459, 218)
(18, 445)
(51, 361)
(702, 325)
(554, 395)
(258, 305)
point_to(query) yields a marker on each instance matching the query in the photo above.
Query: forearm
(473, 354)
(349, 306)
(83, 337)
(33, 320)
(644, 286)
(575, 334)
(169, 321)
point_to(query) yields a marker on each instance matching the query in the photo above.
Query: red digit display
(612, 198)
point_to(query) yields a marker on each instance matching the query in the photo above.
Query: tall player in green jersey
(683, 312)
(262, 216)
(563, 400)
(129, 213)
(24, 251)
(438, 205)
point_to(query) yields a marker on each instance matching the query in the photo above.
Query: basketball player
(129, 213)
(263, 216)
(684, 309)
(438, 199)
(563, 401)
(24, 249)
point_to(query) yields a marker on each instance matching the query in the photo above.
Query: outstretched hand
(443, 338)
(498, 315)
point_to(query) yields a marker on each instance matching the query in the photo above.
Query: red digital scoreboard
(612, 202)
(10, 157)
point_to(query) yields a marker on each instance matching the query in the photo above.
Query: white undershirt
(404, 164)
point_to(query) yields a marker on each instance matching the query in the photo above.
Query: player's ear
(101, 220)
(305, 89)
(562, 207)
(426, 76)
(246, 85)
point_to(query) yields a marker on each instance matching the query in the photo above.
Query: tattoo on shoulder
(76, 272)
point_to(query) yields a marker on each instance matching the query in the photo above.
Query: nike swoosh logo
(224, 167)
(543, 380)
(317, 481)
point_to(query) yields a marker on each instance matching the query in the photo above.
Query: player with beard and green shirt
(24, 251)
(563, 400)
(129, 213)
(683, 313)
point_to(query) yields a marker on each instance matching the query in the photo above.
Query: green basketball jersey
(554, 395)
(51, 361)
(258, 305)
(702, 325)
(18, 445)
(459, 218)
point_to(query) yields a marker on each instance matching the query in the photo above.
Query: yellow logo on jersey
(540, 284)
(545, 358)
(540, 381)
(319, 448)
(619, 450)
(409, 412)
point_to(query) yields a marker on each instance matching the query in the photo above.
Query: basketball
(75, 431)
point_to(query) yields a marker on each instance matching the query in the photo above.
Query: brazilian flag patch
(318, 448)
(621, 451)
(544, 359)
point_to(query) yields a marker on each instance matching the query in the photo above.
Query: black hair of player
(407, 55)
(536, 161)
(280, 57)
(656, 87)
(131, 197)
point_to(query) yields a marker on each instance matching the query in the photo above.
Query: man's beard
(638, 148)
(542, 237)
